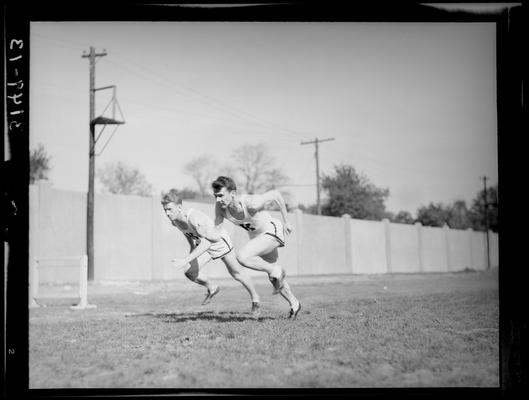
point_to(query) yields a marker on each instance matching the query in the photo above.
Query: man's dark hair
(171, 197)
(223, 181)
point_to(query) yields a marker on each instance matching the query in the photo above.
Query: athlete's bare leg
(261, 254)
(238, 273)
(251, 255)
(195, 275)
(285, 292)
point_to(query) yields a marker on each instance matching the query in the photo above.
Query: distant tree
(227, 170)
(477, 210)
(388, 215)
(120, 178)
(434, 214)
(459, 216)
(203, 169)
(310, 209)
(256, 170)
(185, 193)
(39, 164)
(456, 215)
(403, 217)
(353, 194)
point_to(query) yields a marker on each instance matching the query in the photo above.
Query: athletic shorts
(221, 248)
(274, 228)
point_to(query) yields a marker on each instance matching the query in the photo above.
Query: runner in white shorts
(207, 243)
(266, 233)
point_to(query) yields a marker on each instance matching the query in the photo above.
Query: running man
(207, 243)
(267, 234)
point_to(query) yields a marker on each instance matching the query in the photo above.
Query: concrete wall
(368, 247)
(434, 249)
(404, 248)
(134, 240)
(321, 250)
(57, 222)
(123, 237)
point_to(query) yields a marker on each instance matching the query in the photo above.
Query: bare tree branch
(120, 178)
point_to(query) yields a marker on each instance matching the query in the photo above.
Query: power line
(162, 81)
(148, 74)
(213, 101)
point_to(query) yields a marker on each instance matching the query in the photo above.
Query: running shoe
(210, 295)
(293, 314)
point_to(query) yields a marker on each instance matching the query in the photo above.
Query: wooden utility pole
(485, 198)
(91, 166)
(316, 142)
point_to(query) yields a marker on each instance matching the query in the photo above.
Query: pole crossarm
(89, 55)
(104, 87)
(318, 141)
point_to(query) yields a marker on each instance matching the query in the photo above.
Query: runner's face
(172, 210)
(224, 197)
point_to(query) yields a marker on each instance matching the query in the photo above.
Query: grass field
(433, 330)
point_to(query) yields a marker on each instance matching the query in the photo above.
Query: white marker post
(83, 286)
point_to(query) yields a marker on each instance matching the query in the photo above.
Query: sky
(411, 106)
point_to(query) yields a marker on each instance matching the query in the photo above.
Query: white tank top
(191, 231)
(257, 223)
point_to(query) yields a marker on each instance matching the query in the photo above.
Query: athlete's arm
(219, 215)
(191, 243)
(258, 202)
(207, 233)
(194, 253)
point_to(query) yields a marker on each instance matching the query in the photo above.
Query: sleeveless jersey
(191, 231)
(217, 249)
(261, 222)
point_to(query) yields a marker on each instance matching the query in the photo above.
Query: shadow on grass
(223, 316)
